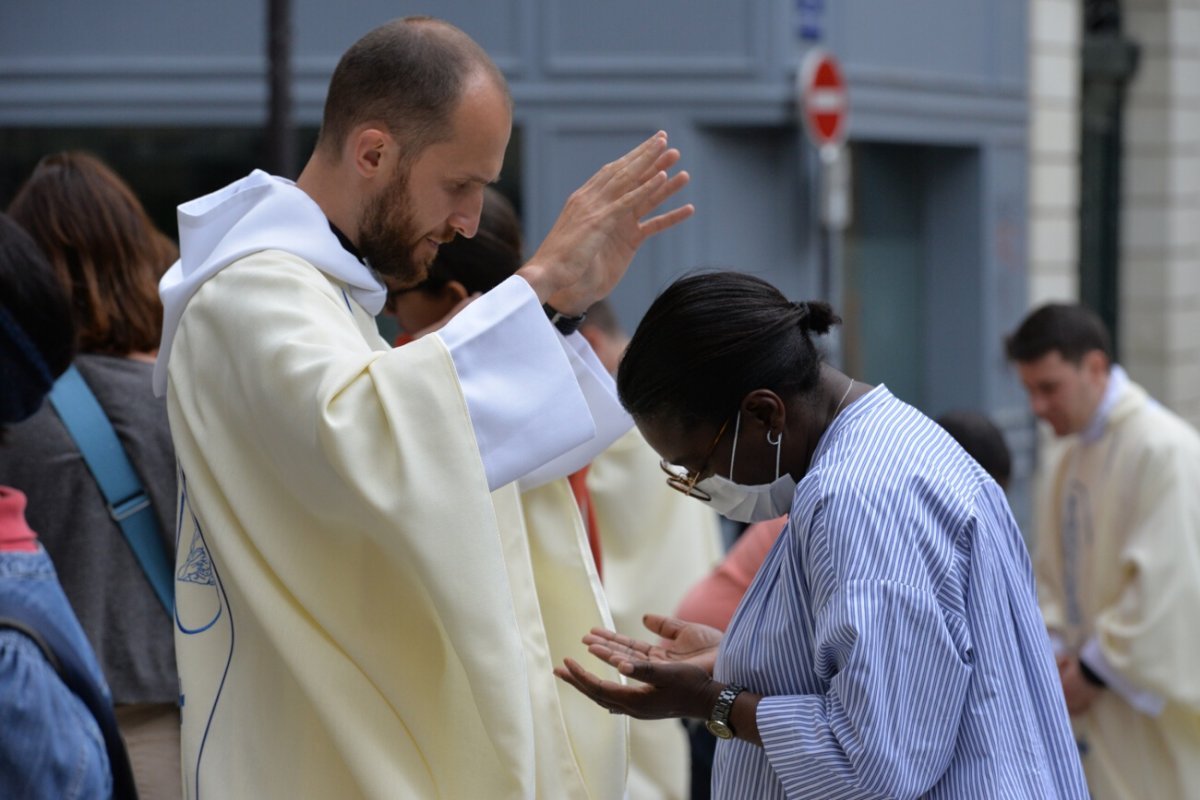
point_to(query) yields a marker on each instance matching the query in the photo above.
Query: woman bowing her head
(890, 644)
(731, 391)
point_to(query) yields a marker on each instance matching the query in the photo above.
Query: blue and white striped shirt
(894, 632)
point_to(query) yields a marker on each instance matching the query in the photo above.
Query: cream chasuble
(1118, 568)
(340, 634)
(358, 613)
(656, 544)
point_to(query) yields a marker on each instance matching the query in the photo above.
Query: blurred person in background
(604, 333)
(982, 440)
(890, 645)
(1117, 557)
(58, 737)
(107, 253)
(655, 543)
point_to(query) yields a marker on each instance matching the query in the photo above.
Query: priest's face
(388, 235)
(438, 193)
(1063, 393)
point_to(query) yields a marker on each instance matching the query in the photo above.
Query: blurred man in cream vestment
(1117, 559)
(364, 608)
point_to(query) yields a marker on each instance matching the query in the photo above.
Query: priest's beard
(388, 237)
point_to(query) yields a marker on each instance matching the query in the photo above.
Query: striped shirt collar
(856, 408)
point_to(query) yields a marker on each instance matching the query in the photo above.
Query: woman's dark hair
(33, 297)
(37, 342)
(103, 247)
(710, 339)
(484, 261)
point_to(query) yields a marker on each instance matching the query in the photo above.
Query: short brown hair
(408, 74)
(1070, 328)
(103, 247)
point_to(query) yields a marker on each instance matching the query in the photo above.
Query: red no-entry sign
(823, 99)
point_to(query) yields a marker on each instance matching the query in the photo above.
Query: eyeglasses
(683, 481)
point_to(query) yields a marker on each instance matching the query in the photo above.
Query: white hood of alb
(258, 212)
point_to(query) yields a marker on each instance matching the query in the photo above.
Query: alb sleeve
(541, 404)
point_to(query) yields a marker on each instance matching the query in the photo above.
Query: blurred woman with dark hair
(58, 737)
(890, 645)
(109, 256)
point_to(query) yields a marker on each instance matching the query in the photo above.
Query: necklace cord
(844, 396)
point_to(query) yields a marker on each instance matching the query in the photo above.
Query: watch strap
(565, 324)
(724, 704)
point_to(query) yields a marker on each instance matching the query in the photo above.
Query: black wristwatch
(718, 722)
(566, 324)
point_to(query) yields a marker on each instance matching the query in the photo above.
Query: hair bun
(816, 316)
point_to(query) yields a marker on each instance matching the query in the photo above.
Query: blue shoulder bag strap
(128, 503)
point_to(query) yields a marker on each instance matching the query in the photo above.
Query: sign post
(824, 104)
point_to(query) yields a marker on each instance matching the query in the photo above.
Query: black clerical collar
(348, 245)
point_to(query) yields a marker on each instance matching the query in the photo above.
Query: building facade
(934, 265)
(1158, 225)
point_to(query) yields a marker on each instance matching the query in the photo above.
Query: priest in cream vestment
(1118, 568)
(398, 643)
(364, 605)
(1119, 583)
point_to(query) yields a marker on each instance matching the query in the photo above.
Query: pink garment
(713, 600)
(15, 534)
(587, 509)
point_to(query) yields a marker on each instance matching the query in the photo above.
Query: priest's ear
(373, 151)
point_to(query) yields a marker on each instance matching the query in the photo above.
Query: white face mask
(750, 503)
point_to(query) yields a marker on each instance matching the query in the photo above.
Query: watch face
(719, 729)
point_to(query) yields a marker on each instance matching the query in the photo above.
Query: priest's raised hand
(603, 224)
